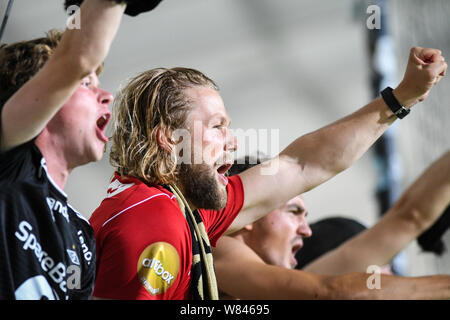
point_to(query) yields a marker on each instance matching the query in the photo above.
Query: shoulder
(82, 224)
(139, 211)
(140, 206)
(20, 163)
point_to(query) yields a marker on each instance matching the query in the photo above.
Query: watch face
(402, 112)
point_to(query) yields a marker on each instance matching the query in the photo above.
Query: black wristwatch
(393, 104)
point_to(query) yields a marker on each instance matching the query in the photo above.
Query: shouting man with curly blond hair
(170, 198)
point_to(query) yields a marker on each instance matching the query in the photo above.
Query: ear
(162, 140)
(241, 232)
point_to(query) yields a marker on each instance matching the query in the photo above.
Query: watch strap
(393, 104)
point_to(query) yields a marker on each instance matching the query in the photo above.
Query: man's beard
(200, 186)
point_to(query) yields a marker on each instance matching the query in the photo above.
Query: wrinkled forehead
(205, 104)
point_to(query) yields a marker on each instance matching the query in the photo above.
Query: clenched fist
(425, 68)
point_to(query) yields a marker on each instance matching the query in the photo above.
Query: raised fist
(425, 68)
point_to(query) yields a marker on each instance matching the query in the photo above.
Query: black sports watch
(393, 104)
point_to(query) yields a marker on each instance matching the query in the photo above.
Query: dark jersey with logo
(47, 249)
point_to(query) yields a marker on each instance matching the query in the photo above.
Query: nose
(104, 97)
(303, 228)
(230, 141)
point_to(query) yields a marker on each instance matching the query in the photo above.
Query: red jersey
(143, 241)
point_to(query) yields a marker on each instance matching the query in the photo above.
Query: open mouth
(296, 248)
(102, 122)
(222, 170)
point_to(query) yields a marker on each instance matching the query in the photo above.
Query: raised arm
(253, 279)
(318, 156)
(80, 52)
(416, 210)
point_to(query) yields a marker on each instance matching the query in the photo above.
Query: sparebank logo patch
(158, 267)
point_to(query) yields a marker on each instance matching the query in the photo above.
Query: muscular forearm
(255, 279)
(367, 286)
(427, 197)
(330, 150)
(326, 152)
(356, 286)
(271, 282)
(316, 157)
(416, 210)
(311, 160)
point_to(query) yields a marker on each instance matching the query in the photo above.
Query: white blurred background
(288, 65)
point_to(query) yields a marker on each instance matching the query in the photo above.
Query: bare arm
(80, 52)
(253, 279)
(416, 210)
(318, 156)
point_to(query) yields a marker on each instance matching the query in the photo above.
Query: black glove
(68, 3)
(134, 7)
(431, 240)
